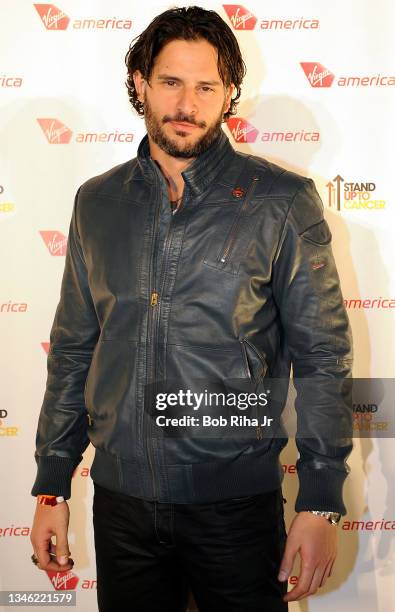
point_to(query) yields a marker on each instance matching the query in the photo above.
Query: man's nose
(187, 101)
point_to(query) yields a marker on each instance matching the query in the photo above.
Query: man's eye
(170, 82)
(207, 88)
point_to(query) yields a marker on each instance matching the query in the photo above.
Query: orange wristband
(49, 500)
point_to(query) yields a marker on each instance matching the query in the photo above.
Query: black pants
(149, 555)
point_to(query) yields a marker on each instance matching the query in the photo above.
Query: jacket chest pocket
(226, 253)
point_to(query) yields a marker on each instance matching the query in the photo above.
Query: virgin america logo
(241, 130)
(56, 242)
(317, 74)
(52, 17)
(63, 581)
(45, 346)
(55, 131)
(239, 17)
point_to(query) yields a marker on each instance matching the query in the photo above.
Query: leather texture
(246, 285)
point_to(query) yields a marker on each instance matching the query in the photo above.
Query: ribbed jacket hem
(54, 475)
(321, 489)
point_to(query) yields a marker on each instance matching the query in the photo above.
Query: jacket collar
(202, 171)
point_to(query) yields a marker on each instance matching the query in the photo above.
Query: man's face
(185, 101)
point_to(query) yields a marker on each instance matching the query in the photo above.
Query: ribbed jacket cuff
(54, 475)
(321, 489)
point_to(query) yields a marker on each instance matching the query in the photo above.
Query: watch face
(335, 517)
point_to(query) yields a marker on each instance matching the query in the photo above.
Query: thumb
(287, 561)
(62, 548)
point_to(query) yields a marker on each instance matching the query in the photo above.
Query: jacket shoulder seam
(304, 181)
(95, 183)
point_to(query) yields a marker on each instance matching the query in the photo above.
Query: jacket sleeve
(317, 332)
(62, 425)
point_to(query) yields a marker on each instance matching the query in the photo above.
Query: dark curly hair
(186, 23)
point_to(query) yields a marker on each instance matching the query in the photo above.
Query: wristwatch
(332, 517)
(49, 500)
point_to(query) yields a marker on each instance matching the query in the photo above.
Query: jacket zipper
(90, 418)
(334, 360)
(154, 299)
(245, 359)
(162, 276)
(259, 355)
(259, 434)
(227, 249)
(154, 315)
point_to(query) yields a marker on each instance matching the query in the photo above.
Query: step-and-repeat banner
(318, 99)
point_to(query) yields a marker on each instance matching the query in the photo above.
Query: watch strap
(332, 517)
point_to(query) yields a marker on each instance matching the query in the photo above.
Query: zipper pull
(259, 434)
(154, 298)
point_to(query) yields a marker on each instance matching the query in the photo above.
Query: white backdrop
(318, 99)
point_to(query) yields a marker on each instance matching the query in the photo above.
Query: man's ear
(228, 96)
(139, 83)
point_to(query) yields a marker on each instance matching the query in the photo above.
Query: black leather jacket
(239, 283)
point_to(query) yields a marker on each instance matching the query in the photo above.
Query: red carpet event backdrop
(318, 99)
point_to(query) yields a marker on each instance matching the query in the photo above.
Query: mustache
(184, 119)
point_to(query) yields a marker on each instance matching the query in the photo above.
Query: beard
(169, 146)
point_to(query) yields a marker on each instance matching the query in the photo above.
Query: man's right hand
(49, 521)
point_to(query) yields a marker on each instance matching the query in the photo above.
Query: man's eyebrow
(169, 77)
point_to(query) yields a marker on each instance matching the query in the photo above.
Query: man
(193, 262)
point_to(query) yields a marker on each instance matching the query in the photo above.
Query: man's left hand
(316, 541)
